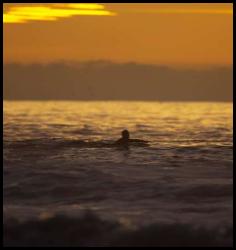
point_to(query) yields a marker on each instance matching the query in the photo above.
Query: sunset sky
(170, 34)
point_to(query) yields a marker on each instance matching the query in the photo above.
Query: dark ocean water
(178, 190)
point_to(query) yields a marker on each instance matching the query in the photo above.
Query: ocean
(176, 191)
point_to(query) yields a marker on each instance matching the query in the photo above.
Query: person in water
(125, 140)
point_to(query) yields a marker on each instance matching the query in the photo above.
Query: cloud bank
(101, 80)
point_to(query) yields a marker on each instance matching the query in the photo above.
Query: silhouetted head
(125, 134)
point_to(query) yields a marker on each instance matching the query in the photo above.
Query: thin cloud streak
(23, 14)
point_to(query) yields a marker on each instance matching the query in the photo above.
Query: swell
(56, 143)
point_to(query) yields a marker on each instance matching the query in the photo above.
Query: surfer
(125, 140)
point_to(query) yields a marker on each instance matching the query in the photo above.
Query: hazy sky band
(51, 12)
(178, 34)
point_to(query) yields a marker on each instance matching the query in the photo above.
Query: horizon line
(106, 61)
(114, 100)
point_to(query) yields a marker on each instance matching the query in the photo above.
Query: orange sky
(176, 34)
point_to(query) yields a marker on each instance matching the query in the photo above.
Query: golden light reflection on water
(185, 123)
(47, 12)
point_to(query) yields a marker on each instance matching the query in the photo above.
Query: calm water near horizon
(185, 175)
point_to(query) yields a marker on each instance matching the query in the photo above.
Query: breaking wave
(90, 230)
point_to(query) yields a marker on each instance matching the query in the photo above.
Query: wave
(60, 142)
(90, 230)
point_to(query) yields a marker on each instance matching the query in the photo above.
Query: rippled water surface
(184, 175)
